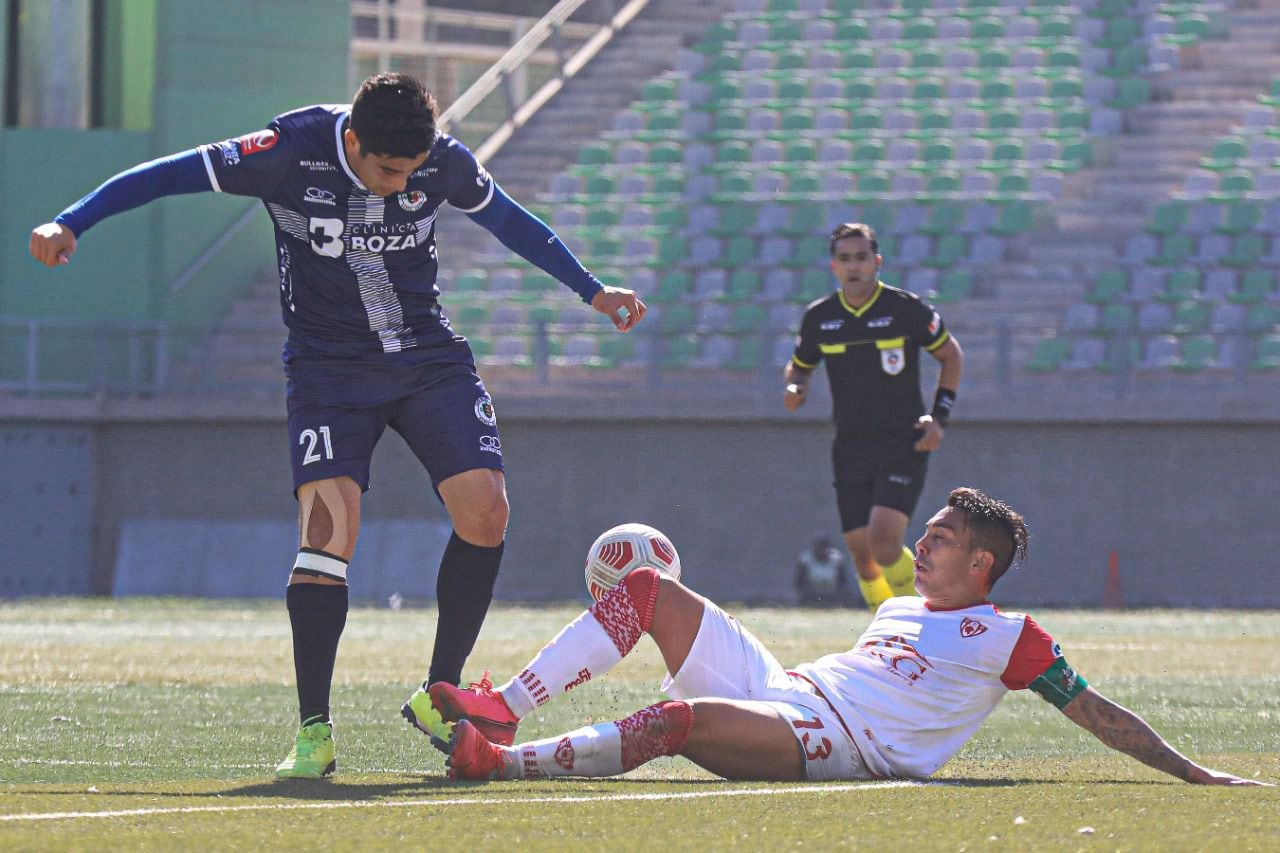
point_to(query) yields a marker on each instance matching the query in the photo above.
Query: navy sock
(318, 613)
(464, 589)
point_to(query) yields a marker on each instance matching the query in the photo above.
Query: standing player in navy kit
(870, 336)
(353, 193)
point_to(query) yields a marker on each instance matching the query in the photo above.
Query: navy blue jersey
(357, 271)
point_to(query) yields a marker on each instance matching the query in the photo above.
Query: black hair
(854, 229)
(993, 526)
(393, 115)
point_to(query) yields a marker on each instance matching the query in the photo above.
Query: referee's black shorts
(877, 471)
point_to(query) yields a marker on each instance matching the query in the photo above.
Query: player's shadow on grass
(320, 789)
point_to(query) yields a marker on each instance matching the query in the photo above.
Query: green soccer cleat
(422, 715)
(313, 755)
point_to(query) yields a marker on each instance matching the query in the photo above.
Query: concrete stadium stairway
(1103, 206)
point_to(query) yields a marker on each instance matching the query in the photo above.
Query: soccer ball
(628, 546)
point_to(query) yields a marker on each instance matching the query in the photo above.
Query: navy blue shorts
(339, 408)
(880, 472)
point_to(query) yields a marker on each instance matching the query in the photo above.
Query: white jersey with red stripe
(920, 681)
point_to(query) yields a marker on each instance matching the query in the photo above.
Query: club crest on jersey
(892, 360)
(412, 201)
(971, 627)
(263, 140)
(484, 411)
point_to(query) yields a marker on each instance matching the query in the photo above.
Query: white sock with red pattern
(606, 749)
(589, 646)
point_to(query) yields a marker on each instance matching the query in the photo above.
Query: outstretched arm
(54, 242)
(1123, 730)
(531, 238)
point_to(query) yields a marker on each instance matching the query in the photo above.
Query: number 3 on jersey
(818, 751)
(313, 441)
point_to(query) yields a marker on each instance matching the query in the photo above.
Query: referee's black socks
(464, 589)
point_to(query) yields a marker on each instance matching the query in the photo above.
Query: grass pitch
(156, 724)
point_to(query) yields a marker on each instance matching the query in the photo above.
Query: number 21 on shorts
(318, 445)
(815, 751)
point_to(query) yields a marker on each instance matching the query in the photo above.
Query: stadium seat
(1049, 355)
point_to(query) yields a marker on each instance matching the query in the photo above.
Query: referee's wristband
(942, 403)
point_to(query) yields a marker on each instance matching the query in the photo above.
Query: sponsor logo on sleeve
(935, 323)
(491, 444)
(263, 140)
(230, 153)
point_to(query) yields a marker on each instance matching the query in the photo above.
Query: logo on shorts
(484, 411)
(971, 627)
(491, 444)
(564, 754)
(412, 201)
(900, 479)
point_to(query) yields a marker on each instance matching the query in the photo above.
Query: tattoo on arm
(1123, 730)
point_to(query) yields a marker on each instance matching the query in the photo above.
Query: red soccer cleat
(478, 703)
(471, 756)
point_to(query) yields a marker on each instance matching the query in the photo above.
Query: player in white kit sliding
(899, 704)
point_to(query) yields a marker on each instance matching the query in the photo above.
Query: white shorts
(728, 662)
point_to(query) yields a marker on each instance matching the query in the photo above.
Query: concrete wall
(1187, 507)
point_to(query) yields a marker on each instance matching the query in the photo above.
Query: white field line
(471, 801)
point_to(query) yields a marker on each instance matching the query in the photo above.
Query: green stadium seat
(793, 89)
(1066, 87)
(1116, 317)
(926, 57)
(1235, 183)
(996, 89)
(1198, 353)
(985, 28)
(859, 90)
(537, 281)
(1262, 317)
(944, 218)
(679, 352)
(1183, 284)
(739, 251)
(603, 216)
(614, 350)
(806, 219)
(1130, 92)
(1169, 217)
(678, 317)
(1225, 154)
(749, 355)
(600, 185)
(674, 285)
(1190, 317)
(1174, 250)
(1108, 286)
(929, 89)
(856, 57)
(1056, 26)
(1128, 59)
(665, 153)
(1073, 119)
(469, 281)
(471, 316)
(672, 249)
(1121, 31)
(1256, 285)
(873, 183)
(941, 182)
(1013, 218)
(1266, 354)
(814, 284)
(955, 284)
(1240, 217)
(748, 318)
(744, 285)
(1049, 355)
(1246, 250)
(852, 30)
(994, 57)
(1063, 56)
(867, 118)
(948, 250)
(725, 90)
(868, 151)
(810, 251)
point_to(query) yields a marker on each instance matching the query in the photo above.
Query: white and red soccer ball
(621, 549)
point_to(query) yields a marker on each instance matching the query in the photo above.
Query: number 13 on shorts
(816, 747)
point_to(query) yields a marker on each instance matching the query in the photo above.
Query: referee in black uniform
(871, 335)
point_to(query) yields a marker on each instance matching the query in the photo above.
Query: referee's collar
(858, 312)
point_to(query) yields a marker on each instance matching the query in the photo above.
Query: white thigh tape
(322, 564)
